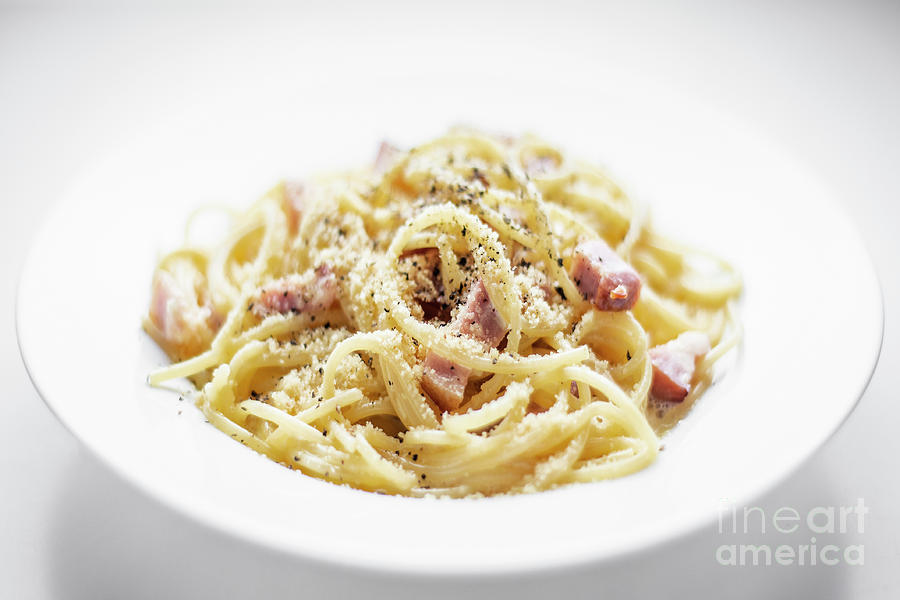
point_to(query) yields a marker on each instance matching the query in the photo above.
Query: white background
(76, 82)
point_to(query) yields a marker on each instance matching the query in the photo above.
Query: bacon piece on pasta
(445, 381)
(604, 278)
(312, 291)
(182, 320)
(479, 318)
(674, 363)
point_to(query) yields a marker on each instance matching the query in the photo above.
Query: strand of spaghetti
(513, 419)
(676, 277)
(218, 394)
(434, 437)
(370, 408)
(693, 289)
(653, 271)
(315, 464)
(540, 239)
(476, 144)
(271, 326)
(536, 436)
(571, 221)
(330, 405)
(226, 338)
(614, 394)
(236, 431)
(602, 445)
(725, 344)
(662, 316)
(516, 393)
(571, 177)
(292, 425)
(269, 256)
(390, 472)
(351, 200)
(547, 253)
(195, 255)
(555, 467)
(616, 464)
(485, 247)
(677, 252)
(488, 392)
(410, 405)
(560, 343)
(620, 335)
(636, 226)
(468, 353)
(451, 276)
(546, 242)
(407, 401)
(558, 383)
(223, 291)
(278, 324)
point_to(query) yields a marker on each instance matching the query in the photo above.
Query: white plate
(812, 313)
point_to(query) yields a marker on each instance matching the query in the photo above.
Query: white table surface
(823, 79)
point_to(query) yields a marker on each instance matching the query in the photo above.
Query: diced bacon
(479, 318)
(311, 292)
(182, 323)
(674, 363)
(387, 155)
(294, 192)
(444, 381)
(604, 278)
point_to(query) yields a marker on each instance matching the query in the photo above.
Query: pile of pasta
(326, 377)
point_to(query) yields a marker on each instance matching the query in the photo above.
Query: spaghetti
(475, 316)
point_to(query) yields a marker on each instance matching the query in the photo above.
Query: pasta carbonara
(475, 316)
